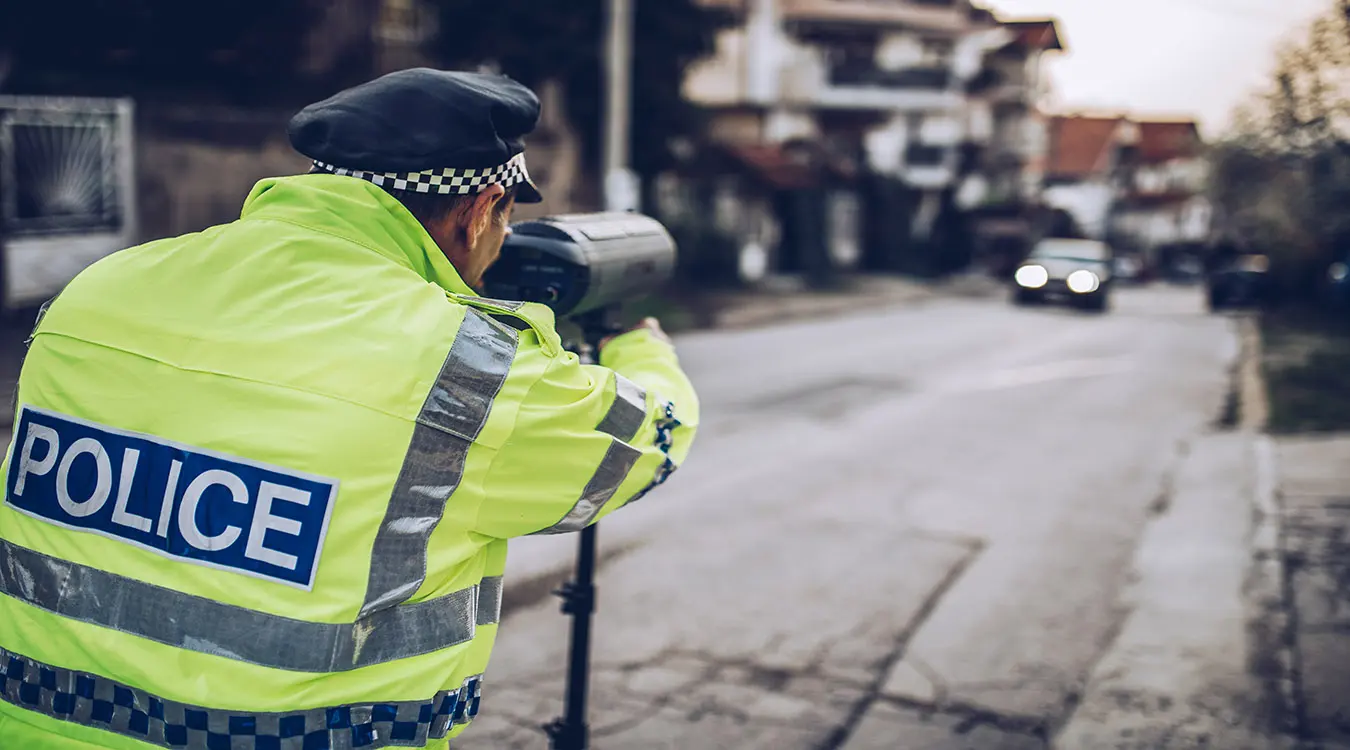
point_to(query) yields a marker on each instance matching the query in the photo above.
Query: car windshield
(1084, 251)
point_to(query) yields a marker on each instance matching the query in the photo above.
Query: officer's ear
(480, 213)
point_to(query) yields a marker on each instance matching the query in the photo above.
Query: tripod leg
(571, 732)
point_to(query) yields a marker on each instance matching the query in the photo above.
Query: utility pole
(621, 184)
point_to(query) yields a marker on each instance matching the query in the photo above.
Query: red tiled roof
(1081, 146)
(773, 165)
(1040, 34)
(1161, 141)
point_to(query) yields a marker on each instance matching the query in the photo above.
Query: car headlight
(1338, 271)
(1083, 282)
(1032, 277)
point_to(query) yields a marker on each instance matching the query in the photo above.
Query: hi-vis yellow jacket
(262, 477)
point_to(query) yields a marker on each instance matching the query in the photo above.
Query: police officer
(262, 476)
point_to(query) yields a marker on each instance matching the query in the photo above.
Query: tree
(536, 41)
(1281, 179)
(236, 50)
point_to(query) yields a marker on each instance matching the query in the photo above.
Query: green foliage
(1305, 359)
(237, 50)
(1281, 180)
(535, 41)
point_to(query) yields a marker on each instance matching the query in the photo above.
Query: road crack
(841, 735)
(971, 716)
(1125, 592)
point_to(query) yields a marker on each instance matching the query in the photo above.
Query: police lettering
(176, 500)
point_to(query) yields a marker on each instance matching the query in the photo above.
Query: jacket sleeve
(590, 439)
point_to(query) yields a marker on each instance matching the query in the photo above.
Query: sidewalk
(787, 299)
(1193, 664)
(1313, 491)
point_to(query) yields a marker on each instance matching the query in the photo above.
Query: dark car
(1128, 269)
(1338, 285)
(1240, 281)
(1075, 271)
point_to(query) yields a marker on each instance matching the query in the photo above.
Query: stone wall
(196, 165)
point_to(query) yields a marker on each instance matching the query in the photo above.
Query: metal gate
(67, 191)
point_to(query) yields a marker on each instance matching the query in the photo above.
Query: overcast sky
(1165, 57)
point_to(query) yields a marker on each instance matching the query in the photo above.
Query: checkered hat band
(98, 702)
(443, 181)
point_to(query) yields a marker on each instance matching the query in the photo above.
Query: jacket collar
(358, 211)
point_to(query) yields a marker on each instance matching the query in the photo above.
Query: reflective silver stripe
(210, 627)
(618, 461)
(489, 601)
(101, 703)
(504, 304)
(628, 412)
(623, 420)
(451, 418)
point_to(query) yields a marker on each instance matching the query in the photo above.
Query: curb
(759, 316)
(795, 306)
(1269, 582)
(1271, 585)
(1254, 400)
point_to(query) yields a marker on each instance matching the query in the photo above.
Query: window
(937, 53)
(60, 170)
(923, 155)
(1064, 249)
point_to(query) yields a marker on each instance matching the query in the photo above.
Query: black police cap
(424, 130)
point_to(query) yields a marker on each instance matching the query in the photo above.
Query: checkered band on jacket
(95, 701)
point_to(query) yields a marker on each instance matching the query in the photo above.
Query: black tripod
(570, 732)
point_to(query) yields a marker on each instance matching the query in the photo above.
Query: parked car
(1078, 272)
(1338, 285)
(1128, 268)
(1240, 281)
(1186, 270)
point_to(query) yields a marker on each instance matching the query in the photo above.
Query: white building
(884, 84)
(1165, 204)
(1007, 133)
(1088, 168)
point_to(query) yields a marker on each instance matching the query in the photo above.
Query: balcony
(738, 7)
(1004, 86)
(910, 78)
(927, 15)
(924, 155)
(860, 86)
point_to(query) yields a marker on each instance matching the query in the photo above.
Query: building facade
(1090, 167)
(1164, 209)
(1008, 140)
(1138, 183)
(939, 96)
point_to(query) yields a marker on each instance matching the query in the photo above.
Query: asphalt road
(956, 524)
(906, 529)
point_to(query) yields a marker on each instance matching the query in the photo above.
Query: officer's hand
(649, 324)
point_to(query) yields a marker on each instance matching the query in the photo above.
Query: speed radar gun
(584, 267)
